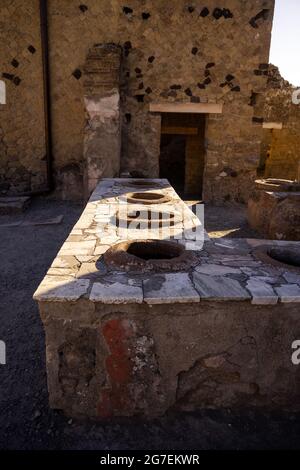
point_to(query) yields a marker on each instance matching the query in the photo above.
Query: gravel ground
(26, 422)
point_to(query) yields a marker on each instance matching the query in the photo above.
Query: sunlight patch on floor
(222, 233)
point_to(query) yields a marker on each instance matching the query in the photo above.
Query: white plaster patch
(104, 108)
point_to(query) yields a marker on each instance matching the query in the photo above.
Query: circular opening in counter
(149, 255)
(285, 255)
(158, 250)
(281, 257)
(147, 198)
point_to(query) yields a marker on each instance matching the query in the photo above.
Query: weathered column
(102, 136)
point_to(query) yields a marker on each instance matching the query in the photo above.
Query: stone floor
(13, 205)
(25, 419)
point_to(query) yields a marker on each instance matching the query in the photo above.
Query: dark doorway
(172, 160)
(182, 152)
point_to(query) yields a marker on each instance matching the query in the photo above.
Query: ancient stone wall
(280, 152)
(102, 137)
(22, 135)
(175, 51)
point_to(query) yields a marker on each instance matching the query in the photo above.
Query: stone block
(61, 289)
(169, 288)
(289, 293)
(116, 293)
(216, 270)
(219, 288)
(261, 292)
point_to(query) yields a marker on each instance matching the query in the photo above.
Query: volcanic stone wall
(22, 135)
(179, 51)
(280, 152)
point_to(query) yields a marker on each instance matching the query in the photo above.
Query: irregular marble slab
(87, 259)
(84, 221)
(219, 288)
(67, 261)
(169, 288)
(109, 240)
(236, 258)
(216, 270)
(243, 264)
(89, 270)
(100, 249)
(78, 248)
(261, 292)
(61, 289)
(267, 279)
(61, 272)
(289, 293)
(292, 277)
(263, 270)
(116, 293)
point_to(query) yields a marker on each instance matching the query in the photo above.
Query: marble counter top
(227, 270)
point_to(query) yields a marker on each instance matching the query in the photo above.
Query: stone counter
(275, 212)
(122, 343)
